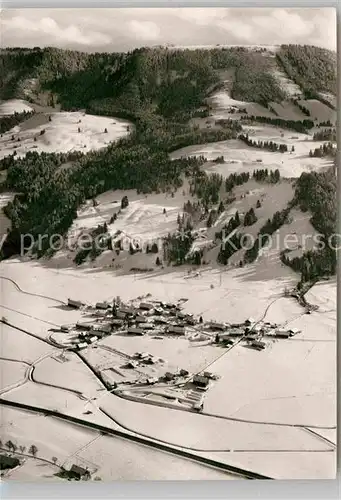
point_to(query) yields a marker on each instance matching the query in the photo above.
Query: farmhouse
(225, 339)
(78, 473)
(236, 332)
(102, 328)
(201, 380)
(83, 326)
(147, 326)
(126, 310)
(146, 306)
(258, 345)
(135, 331)
(82, 345)
(7, 462)
(249, 322)
(175, 329)
(116, 323)
(140, 319)
(75, 304)
(152, 380)
(217, 326)
(102, 305)
(282, 334)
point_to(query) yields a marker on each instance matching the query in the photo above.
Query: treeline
(265, 175)
(312, 68)
(230, 243)
(254, 82)
(206, 187)
(236, 180)
(325, 135)
(176, 247)
(298, 125)
(316, 193)
(10, 121)
(268, 145)
(328, 149)
(279, 218)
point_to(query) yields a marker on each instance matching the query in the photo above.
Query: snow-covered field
(11, 372)
(114, 460)
(288, 85)
(61, 134)
(143, 217)
(240, 158)
(319, 111)
(14, 106)
(221, 103)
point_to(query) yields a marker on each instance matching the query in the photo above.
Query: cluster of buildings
(161, 318)
(133, 319)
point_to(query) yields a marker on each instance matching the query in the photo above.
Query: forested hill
(165, 80)
(314, 69)
(157, 88)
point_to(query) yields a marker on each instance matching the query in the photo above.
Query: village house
(200, 380)
(146, 306)
(257, 344)
(217, 326)
(249, 322)
(140, 319)
(75, 304)
(146, 326)
(176, 330)
(282, 334)
(126, 310)
(225, 339)
(102, 328)
(116, 323)
(135, 331)
(83, 326)
(102, 305)
(236, 332)
(82, 345)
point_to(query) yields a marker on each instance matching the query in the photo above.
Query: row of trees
(266, 175)
(316, 193)
(327, 149)
(271, 225)
(268, 145)
(12, 447)
(301, 126)
(325, 135)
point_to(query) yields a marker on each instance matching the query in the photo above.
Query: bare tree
(22, 449)
(9, 445)
(54, 460)
(33, 450)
